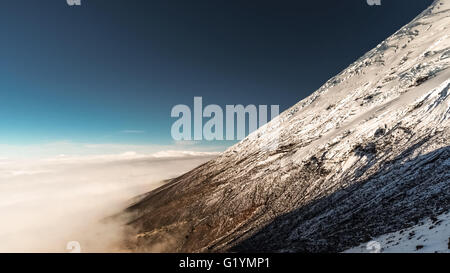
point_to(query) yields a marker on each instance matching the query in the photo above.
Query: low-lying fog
(45, 204)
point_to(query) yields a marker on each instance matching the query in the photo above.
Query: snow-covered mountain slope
(430, 236)
(365, 155)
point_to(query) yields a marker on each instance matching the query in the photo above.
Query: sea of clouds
(47, 203)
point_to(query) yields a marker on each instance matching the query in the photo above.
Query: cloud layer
(46, 203)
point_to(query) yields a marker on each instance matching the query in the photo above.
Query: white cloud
(45, 203)
(58, 192)
(183, 154)
(186, 142)
(71, 149)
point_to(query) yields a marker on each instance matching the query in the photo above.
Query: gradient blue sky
(110, 71)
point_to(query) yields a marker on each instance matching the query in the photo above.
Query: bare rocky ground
(365, 155)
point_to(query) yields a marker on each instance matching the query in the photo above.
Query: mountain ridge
(366, 154)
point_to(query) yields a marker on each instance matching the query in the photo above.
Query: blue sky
(110, 71)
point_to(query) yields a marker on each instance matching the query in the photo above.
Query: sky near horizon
(108, 73)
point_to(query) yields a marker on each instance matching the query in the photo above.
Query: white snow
(426, 237)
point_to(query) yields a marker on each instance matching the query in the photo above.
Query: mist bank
(47, 203)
